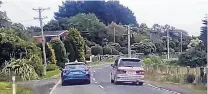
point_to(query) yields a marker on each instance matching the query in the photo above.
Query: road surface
(100, 84)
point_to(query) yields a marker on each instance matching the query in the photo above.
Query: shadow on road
(75, 83)
(129, 84)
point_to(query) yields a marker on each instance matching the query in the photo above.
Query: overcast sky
(182, 14)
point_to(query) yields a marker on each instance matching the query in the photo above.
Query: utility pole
(40, 18)
(114, 34)
(168, 44)
(207, 52)
(181, 42)
(129, 45)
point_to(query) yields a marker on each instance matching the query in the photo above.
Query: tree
(32, 29)
(12, 46)
(70, 49)
(53, 25)
(52, 58)
(194, 42)
(145, 46)
(60, 52)
(97, 50)
(119, 31)
(107, 12)
(60, 24)
(89, 26)
(204, 32)
(139, 38)
(194, 57)
(107, 50)
(4, 20)
(78, 44)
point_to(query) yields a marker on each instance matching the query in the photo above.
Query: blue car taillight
(65, 72)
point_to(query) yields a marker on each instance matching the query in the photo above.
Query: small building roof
(49, 33)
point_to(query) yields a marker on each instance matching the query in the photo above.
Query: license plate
(76, 73)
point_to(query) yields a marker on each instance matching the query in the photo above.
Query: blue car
(75, 72)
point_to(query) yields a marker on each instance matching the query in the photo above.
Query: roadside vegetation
(90, 32)
(6, 88)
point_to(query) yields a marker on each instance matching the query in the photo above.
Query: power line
(14, 5)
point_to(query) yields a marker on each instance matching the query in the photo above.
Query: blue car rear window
(75, 66)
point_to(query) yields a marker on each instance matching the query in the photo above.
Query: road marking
(163, 89)
(93, 71)
(54, 87)
(96, 82)
(93, 79)
(101, 87)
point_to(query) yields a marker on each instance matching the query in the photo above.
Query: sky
(182, 14)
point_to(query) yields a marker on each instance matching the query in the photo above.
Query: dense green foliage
(144, 46)
(52, 57)
(107, 50)
(96, 50)
(70, 49)
(12, 46)
(60, 52)
(123, 50)
(89, 26)
(21, 68)
(107, 12)
(77, 43)
(194, 57)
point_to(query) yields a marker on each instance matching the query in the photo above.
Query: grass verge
(51, 74)
(196, 89)
(6, 88)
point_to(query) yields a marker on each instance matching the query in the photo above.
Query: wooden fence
(174, 73)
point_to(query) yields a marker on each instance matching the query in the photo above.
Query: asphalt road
(100, 84)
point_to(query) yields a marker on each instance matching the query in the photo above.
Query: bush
(107, 50)
(90, 44)
(189, 78)
(52, 57)
(96, 50)
(36, 62)
(153, 60)
(148, 61)
(70, 50)
(21, 68)
(78, 43)
(123, 50)
(51, 67)
(115, 52)
(60, 52)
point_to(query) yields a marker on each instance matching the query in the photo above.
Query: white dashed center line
(101, 87)
(93, 79)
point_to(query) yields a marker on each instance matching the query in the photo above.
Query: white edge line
(54, 87)
(163, 89)
(101, 87)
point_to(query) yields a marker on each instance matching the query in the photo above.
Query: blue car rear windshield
(79, 66)
(130, 63)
